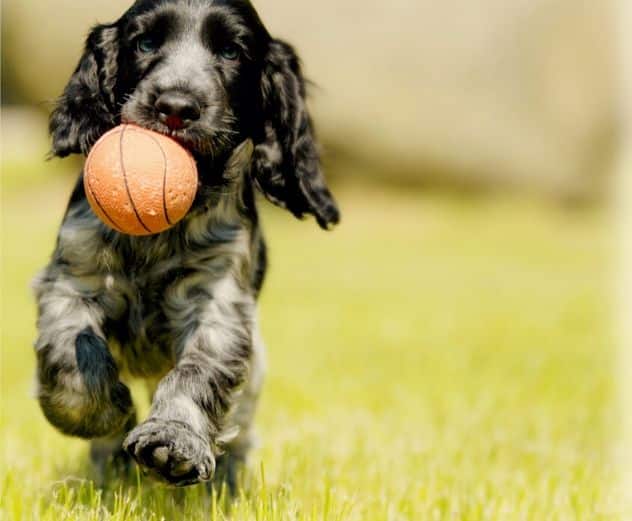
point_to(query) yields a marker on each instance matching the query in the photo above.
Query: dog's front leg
(212, 324)
(78, 381)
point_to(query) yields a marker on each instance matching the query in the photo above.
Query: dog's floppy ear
(286, 165)
(86, 109)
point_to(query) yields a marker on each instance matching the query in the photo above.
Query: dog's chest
(154, 296)
(138, 326)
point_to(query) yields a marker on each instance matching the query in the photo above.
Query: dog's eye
(229, 52)
(147, 44)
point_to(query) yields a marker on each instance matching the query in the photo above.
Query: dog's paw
(171, 451)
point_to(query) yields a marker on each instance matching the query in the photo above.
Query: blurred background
(487, 94)
(456, 329)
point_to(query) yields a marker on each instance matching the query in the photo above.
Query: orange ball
(139, 182)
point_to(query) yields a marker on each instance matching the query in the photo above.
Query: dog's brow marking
(129, 195)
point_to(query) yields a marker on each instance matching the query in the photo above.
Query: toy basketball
(139, 182)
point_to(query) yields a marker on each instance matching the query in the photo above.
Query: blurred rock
(492, 93)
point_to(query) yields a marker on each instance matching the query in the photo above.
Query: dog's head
(207, 73)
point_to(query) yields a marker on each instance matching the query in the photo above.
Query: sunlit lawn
(436, 357)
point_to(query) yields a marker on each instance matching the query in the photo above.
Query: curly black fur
(178, 308)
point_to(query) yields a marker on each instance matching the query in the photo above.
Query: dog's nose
(177, 110)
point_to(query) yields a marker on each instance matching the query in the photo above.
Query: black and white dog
(178, 308)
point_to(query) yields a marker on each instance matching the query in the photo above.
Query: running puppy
(178, 308)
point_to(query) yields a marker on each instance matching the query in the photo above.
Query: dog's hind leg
(108, 456)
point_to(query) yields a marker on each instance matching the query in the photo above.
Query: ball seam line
(164, 179)
(129, 195)
(88, 183)
(193, 169)
(96, 200)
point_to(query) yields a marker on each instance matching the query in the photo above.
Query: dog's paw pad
(171, 451)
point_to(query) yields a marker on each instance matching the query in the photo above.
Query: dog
(178, 309)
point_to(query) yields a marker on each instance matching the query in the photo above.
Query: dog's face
(207, 73)
(193, 71)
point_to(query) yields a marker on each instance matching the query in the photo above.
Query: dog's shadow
(125, 492)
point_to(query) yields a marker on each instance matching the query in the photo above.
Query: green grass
(435, 358)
